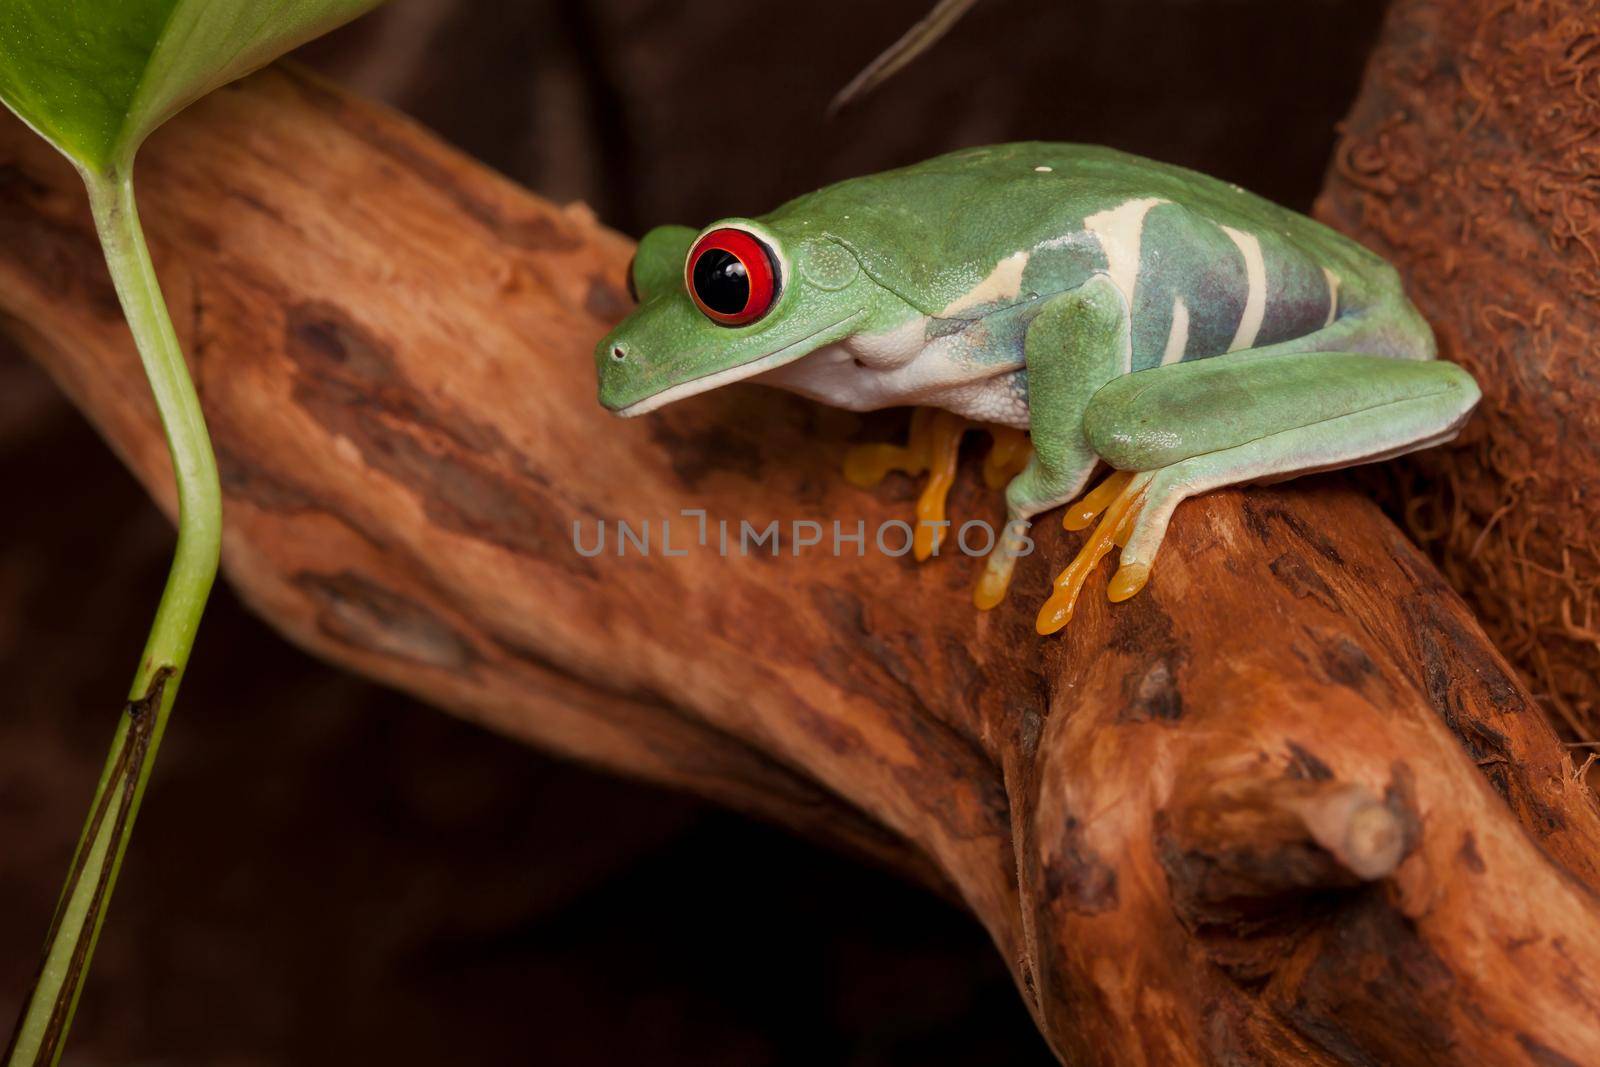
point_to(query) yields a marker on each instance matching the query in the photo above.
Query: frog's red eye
(732, 276)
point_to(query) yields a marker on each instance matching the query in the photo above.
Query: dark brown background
(328, 871)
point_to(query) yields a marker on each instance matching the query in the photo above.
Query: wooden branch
(1285, 806)
(1235, 848)
(1469, 161)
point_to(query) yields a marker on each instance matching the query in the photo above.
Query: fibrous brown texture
(1472, 160)
(1285, 806)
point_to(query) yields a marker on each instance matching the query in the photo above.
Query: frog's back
(1206, 265)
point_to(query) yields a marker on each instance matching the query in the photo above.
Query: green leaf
(95, 77)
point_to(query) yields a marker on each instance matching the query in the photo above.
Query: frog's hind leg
(1192, 427)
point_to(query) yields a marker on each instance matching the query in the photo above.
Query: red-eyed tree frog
(1182, 330)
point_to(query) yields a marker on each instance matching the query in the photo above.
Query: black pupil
(720, 281)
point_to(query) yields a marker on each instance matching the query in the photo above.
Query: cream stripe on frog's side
(1002, 285)
(1333, 296)
(1205, 287)
(1120, 231)
(1255, 305)
(1178, 336)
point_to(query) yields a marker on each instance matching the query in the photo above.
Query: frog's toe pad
(1128, 580)
(991, 589)
(996, 577)
(1120, 497)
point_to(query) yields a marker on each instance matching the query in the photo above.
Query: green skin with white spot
(1119, 309)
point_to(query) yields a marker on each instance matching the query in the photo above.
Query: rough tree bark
(1286, 806)
(1470, 160)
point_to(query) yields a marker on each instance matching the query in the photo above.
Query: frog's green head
(725, 303)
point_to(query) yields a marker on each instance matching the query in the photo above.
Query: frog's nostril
(619, 353)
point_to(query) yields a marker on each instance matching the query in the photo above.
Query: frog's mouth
(760, 365)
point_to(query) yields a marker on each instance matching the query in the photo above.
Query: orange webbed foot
(933, 447)
(1120, 498)
(867, 465)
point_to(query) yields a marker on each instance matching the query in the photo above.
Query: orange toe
(867, 465)
(1121, 510)
(1082, 512)
(990, 590)
(942, 441)
(1009, 453)
(933, 445)
(1128, 580)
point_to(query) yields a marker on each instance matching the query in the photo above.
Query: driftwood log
(1287, 806)
(1470, 161)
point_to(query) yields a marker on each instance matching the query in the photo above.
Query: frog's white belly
(868, 373)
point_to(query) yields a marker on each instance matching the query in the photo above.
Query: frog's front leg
(1173, 432)
(1077, 343)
